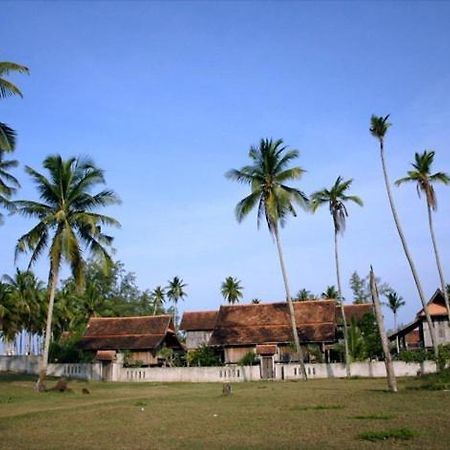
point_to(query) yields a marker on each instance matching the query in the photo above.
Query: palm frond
(7, 138)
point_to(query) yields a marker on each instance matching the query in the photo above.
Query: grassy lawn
(265, 415)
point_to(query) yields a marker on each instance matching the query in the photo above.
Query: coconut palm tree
(336, 198)
(231, 290)
(330, 293)
(394, 303)
(158, 296)
(378, 129)
(274, 199)
(8, 183)
(7, 89)
(10, 314)
(424, 180)
(175, 292)
(26, 292)
(66, 221)
(303, 295)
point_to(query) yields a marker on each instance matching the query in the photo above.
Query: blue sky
(166, 97)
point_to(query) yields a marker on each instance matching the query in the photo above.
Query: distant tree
(424, 180)
(158, 296)
(175, 292)
(330, 292)
(274, 200)
(10, 314)
(378, 129)
(361, 290)
(231, 290)
(65, 221)
(304, 295)
(255, 301)
(394, 303)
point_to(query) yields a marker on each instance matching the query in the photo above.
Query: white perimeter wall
(30, 365)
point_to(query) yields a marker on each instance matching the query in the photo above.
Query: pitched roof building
(198, 326)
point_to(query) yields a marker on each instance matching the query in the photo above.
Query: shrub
(67, 351)
(204, 356)
(417, 356)
(249, 359)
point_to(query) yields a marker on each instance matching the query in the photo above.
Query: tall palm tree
(65, 223)
(378, 129)
(394, 303)
(231, 290)
(336, 198)
(8, 183)
(158, 296)
(176, 292)
(7, 89)
(10, 314)
(266, 175)
(330, 293)
(304, 295)
(421, 175)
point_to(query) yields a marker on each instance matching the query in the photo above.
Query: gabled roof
(267, 323)
(436, 305)
(198, 321)
(129, 333)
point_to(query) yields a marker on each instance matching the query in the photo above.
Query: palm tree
(7, 89)
(378, 129)
(421, 175)
(158, 296)
(330, 292)
(66, 221)
(175, 292)
(267, 175)
(303, 295)
(231, 290)
(8, 183)
(10, 314)
(26, 294)
(336, 198)
(394, 303)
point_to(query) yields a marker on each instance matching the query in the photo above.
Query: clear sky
(166, 97)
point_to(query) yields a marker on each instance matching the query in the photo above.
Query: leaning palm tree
(336, 198)
(176, 292)
(158, 296)
(8, 183)
(378, 129)
(66, 221)
(7, 89)
(274, 200)
(421, 175)
(231, 290)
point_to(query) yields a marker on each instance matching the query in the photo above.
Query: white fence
(30, 365)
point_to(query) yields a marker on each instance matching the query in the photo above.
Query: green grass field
(321, 414)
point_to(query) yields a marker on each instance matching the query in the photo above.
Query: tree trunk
(291, 306)
(397, 344)
(30, 338)
(438, 261)
(392, 382)
(407, 254)
(341, 303)
(52, 282)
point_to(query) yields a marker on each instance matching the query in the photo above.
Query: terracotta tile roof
(413, 338)
(198, 321)
(127, 333)
(356, 312)
(268, 323)
(436, 305)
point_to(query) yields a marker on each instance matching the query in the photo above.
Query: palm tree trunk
(392, 382)
(407, 253)
(438, 261)
(341, 303)
(397, 344)
(291, 306)
(52, 282)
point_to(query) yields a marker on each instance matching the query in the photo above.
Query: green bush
(204, 356)
(444, 356)
(68, 351)
(417, 356)
(249, 359)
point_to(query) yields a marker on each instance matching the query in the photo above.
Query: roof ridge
(130, 317)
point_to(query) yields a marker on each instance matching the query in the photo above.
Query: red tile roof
(436, 305)
(354, 311)
(267, 323)
(198, 321)
(128, 333)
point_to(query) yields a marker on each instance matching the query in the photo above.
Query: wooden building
(142, 337)
(416, 334)
(198, 326)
